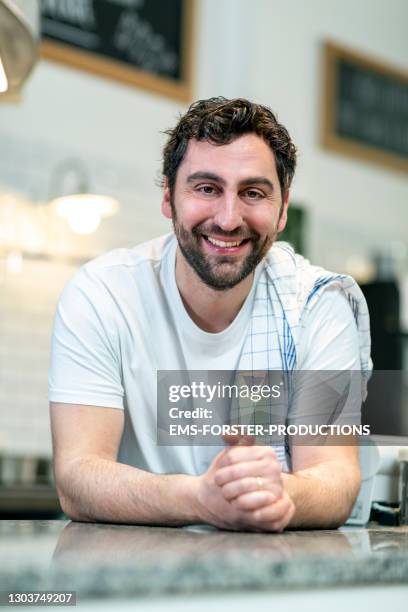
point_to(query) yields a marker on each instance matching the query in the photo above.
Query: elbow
(68, 505)
(338, 518)
(71, 512)
(351, 494)
(68, 508)
(344, 502)
(66, 491)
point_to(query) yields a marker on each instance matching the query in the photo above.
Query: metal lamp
(19, 37)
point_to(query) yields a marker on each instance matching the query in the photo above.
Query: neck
(212, 310)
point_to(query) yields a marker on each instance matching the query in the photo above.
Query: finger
(233, 489)
(239, 440)
(254, 500)
(279, 526)
(239, 454)
(274, 513)
(219, 460)
(262, 468)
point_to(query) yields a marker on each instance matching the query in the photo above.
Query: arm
(87, 419)
(323, 486)
(92, 486)
(324, 483)
(326, 478)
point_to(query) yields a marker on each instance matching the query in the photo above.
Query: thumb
(239, 440)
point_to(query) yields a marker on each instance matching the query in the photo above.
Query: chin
(223, 282)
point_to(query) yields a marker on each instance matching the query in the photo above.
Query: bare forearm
(97, 489)
(323, 495)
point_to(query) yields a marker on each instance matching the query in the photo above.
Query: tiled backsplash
(28, 298)
(28, 168)
(27, 306)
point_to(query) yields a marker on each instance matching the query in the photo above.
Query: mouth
(230, 247)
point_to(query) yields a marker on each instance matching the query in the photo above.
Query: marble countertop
(102, 560)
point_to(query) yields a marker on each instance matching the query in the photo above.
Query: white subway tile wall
(27, 306)
(28, 167)
(28, 298)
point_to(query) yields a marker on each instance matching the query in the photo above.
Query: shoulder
(294, 274)
(304, 279)
(281, 257)
(328, 333)
(147, 253)
(320, 303)
(116, 275)
(118, 264)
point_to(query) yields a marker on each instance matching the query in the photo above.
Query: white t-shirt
(121, 318)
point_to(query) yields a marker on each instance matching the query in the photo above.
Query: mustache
(239, 233)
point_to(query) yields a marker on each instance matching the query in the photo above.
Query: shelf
(30, 500)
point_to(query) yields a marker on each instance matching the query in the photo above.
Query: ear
(166, 206)
(283, 216)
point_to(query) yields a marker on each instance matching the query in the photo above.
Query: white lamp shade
(84, 211)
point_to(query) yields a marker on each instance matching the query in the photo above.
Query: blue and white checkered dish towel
(287, 288)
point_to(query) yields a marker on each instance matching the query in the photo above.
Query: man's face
(226, 208)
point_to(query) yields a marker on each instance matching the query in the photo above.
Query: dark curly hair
(220, 121)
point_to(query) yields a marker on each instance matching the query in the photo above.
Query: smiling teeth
(220, 243)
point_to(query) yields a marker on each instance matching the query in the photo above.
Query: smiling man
(233, 217)
(192, 300)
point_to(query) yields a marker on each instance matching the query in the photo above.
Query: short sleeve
(329, 337)
(85, 363)
(328, 387)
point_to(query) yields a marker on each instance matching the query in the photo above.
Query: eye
(206, 189)
(253, 194)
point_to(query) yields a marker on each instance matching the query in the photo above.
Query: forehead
(246, 156)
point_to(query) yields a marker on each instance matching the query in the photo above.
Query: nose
(229, 214)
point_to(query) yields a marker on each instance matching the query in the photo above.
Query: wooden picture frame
(180, 89)
(352, 144)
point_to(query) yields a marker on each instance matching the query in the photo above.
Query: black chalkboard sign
(366, 108)
(146, 43)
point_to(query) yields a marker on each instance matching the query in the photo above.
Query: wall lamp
(82, 210)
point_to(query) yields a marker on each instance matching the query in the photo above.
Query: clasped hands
(243, 489)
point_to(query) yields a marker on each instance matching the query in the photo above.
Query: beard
(221, 272)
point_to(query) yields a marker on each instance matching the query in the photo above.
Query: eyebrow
(210, 176)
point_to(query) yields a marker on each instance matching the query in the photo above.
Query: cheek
(264, 220)
(194, 213)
